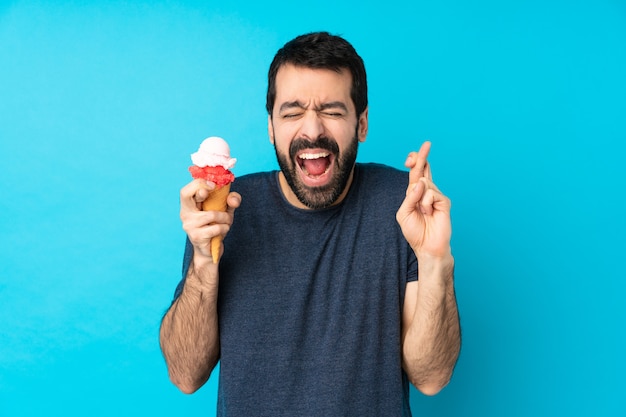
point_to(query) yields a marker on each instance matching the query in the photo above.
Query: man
(315, 308)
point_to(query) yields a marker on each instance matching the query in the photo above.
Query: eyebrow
(334, 105)
(291, 105)
(324, 106)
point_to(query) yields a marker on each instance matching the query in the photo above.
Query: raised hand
(424, 215)
(199, 225)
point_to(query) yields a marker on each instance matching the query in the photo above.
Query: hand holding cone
(212, 162)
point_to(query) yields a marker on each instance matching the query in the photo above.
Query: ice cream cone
(216, 201)
(212, 163)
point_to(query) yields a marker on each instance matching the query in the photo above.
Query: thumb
(233, 202)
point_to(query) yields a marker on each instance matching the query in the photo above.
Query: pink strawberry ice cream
(212, 162)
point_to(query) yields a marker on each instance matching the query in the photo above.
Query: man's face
(315, 131)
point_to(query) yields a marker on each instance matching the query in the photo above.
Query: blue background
(101, 104)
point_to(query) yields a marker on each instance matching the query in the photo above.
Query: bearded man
(315, 308)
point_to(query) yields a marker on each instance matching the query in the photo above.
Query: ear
(270, 129)
(362, 133)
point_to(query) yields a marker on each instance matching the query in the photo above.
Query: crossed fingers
(418, 164)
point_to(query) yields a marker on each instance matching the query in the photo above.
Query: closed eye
(291, 109)
(334, 109)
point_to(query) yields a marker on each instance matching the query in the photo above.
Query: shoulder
(259, 192)
(378, 176)
(378, 188)
(375, 169)
(255, 181)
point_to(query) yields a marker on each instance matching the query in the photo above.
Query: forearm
(189, 330)
(432, 337)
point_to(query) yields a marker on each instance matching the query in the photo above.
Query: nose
(312, 126)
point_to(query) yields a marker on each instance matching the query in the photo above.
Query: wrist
(203, 272)
(435, 268)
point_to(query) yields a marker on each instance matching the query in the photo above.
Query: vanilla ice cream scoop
(213, 152)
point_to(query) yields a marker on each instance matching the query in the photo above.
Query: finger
(203, 225)
(410, 203)
(427, 172)
(194, 220)
(204, 190)
(194, 192)
(233, 201)
(202, 236)
(201, 218)
(427, 202)
(429, 184)
(201, 195)
(417, 161)
(433, 199)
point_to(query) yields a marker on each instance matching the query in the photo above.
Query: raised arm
(430, 320)
(189, 334)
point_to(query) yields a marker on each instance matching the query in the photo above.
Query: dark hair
(320, 50)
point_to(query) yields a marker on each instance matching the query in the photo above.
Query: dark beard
(318, 197)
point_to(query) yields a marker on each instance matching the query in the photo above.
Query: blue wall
(102, 103)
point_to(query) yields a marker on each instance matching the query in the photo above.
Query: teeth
(313, 155)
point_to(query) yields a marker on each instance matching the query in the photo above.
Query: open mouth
(315, 164)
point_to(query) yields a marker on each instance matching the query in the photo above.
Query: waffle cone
(216, 201)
